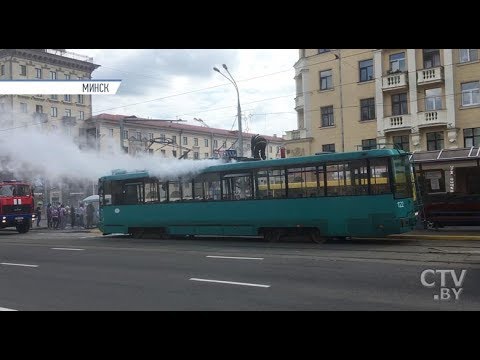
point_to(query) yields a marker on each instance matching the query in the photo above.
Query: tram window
(379, 178)
(117, 193)
(133, 193)
(261, 185)
(402, 177)
(198, 190)
(302, 182)
(162, 187)
(151, 191)
(336, 182)
(357, 178)
(276, 183)
(237, 187)
(174, 193)
(105, 191)
(186, 189)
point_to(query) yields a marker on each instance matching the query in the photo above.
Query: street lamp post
(239, 110)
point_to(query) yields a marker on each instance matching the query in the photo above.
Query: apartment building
(66, 113)
(167, 138)
(420, 100)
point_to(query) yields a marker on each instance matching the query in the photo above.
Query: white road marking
(230, 282)
(7, 309)
(12, 264)
(234, 257)
(67, 249)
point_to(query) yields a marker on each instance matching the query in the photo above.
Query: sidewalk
(68, 228)
(445, 233)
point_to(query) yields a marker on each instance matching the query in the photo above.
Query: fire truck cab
(17, 205)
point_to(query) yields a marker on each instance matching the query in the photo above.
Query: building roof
(172, 124)
(471, 153)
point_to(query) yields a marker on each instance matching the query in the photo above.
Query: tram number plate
(19, 219)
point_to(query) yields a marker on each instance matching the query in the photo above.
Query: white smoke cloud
(28, 154)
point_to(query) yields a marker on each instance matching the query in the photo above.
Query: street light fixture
(239, 110)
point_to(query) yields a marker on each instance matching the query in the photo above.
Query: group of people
(59, 215)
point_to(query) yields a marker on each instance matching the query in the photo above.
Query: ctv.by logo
(427, 279)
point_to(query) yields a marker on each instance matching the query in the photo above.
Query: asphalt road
(55, 270)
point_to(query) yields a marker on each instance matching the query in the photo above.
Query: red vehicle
(17, 205)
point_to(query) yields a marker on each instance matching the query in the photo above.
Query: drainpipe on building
(339, 58)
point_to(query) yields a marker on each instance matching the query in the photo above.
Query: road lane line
(233, 257)
(230, 282)
(67, 249)
(12, 264)
(7, 309)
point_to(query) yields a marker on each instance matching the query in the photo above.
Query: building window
(185, 140)
(150, 136)
(328, 148)
(53, 75)
(366, 70)
(54, 97)
(174, 153)
(196, 155)
(80, 99)
(39, 109)
(206, 142)
(327, 116)
(435, 141)
(195, 141)
(162, 151)
(68, 112)
(399, 104)
(431, 58)
(321, 51)
(270, 149)
(206, 156)
(215, 143)
(162, 137)
(433, 99)
(471, 137)
(326, 80)
(139, 135)
(150, 151)
(67, 97)
(23, 107)
(471, 93)
(67, 77)
(369, 144)
(185, 154)
(110, 132)
(367, 109)
(467, 55)
(54, 111)
(38, 73)
(23, 70)
(397, 62)
(2, 69)
(174, 139)
(125, 134)
(81, 115)
(402, 142)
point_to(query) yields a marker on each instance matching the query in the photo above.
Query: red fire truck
(17, 205)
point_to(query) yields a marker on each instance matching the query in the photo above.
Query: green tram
(357, 194)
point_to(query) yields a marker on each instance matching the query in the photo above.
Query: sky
(264, 78)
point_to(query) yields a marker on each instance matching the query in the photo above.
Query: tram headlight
(416, 213)
(4, 218)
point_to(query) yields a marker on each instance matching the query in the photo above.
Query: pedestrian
(90, 212)
(38, 214)
(72, 216)
(81, 213)
(49, 215)
(54, 218)
(62, 215)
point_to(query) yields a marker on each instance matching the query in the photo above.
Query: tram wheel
(272, 236)
(317, 237)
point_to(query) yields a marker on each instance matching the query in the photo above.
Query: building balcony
(432, 118)
(394, 81)
(430, 76)
(40, 117)
(397, 122)
(296, 134)
(299, 102)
